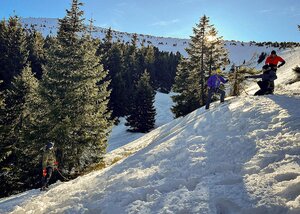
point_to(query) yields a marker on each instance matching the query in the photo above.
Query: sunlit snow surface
(238, 157)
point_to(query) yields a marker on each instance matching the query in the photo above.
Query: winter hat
(266, 67)
(218, 71)
(50, 145)
(273, 52)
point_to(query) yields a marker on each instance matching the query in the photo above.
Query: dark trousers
(45, 181)
(266, 87)
(212, 91)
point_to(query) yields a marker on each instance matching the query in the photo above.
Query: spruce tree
(13, 48)
(19, 155)
(185, 101)
(205, 53)
(142, 117)
(35, 46)
(2, 104)
(111, 58)
(218, 55)
(129, 75)
(116, 70)
(75, 93)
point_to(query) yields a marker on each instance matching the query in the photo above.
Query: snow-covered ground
(120, 136)
(239, 157)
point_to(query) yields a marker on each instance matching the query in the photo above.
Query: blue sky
(245, 20)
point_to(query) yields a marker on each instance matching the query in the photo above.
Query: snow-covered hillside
(238, 51)
(48, 26)
(239, 157)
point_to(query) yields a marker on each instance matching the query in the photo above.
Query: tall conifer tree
(35, 46)
(19, 155)
(142, 117)
(75, 93)
(13, 49)
(205, 53)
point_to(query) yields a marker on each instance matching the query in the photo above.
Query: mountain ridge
(48, 26)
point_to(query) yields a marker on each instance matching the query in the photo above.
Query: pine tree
(75, 94)
(35, 46)
(205, 53)
(184, 96)
(14, 54)
(142, 117)
(218, 55)
(129, 76)
(111, 58)
(116, 70)
(19, 156)
(2, 104)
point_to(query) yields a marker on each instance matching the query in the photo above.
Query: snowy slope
(238, 51)
(242, 157)
(49, 26)
(239, 157)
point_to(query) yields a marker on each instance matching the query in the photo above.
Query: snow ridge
(238, 51)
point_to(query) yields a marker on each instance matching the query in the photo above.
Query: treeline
(126, 63)
(280, 45)
(69, 89)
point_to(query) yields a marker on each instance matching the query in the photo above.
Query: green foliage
(35, 46)
(126, 63)
(2, 104)
(19, 156)
(13, 50)
(75, 95)
(142, 116)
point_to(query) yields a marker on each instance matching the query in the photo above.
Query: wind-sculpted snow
(239, 157)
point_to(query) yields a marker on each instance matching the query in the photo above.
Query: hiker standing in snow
(273, 61)
(267, 83)
(49, 164)
(213, 84)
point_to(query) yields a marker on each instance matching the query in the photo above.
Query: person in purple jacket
(213, 84)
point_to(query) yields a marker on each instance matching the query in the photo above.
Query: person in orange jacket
(272, 61)
(49, 164)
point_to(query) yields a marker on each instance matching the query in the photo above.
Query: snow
(242, 156)
(120, 136)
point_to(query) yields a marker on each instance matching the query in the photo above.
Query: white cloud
(165, 23)
(265, 11)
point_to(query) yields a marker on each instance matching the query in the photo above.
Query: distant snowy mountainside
(238, 51)
(49, 26)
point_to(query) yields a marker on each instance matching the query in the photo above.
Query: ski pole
(244, 90)
(61, 175)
